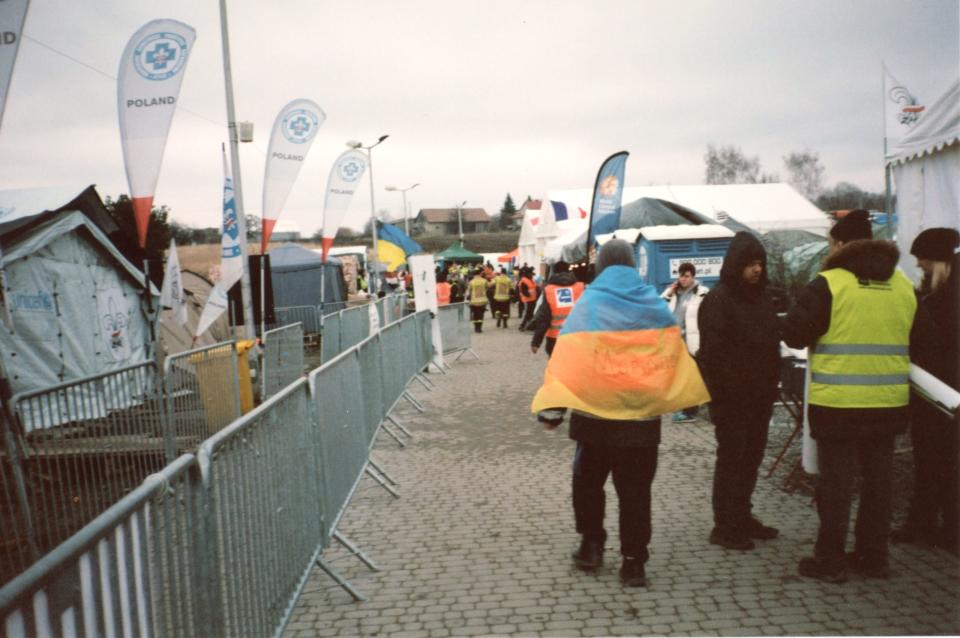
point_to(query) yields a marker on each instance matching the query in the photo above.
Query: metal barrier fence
(202, 387)
(262, 477)
(307, 316)
(455, 327)
(354, 326)
(71, 451)
(222, 543)
(282, 358)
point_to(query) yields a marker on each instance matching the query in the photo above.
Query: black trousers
(741, 441)
(528, 309)
(500, 310)
(476, 316)
(934, 439)
(838, 459)
(633, 470)
(549, 344)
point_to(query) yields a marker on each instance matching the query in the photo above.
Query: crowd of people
(621, 355)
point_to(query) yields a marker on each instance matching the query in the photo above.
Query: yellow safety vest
(478, 291)
(863, 360)
(501, 290)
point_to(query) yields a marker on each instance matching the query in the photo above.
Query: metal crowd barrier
(282, 358)
(222, 543)
(71, 451)
(262, 477)
(307, 316)
(354, 326)
(202, 387)
(455, 328)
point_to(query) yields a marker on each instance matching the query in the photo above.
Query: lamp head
(354, 144)
(390, 188)
(382, 137)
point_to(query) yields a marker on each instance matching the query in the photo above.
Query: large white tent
(926, 173)
(762, 207)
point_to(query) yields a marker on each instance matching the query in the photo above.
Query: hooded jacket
(739, 352)
(809, 319)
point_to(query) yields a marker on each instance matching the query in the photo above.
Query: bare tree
(805, 173)
(728, 165)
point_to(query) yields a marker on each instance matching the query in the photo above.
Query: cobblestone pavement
(479, 542)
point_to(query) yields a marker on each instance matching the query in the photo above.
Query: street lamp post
(406, 216)
(460, 219)
(373, 211)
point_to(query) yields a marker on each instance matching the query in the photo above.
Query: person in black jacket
(933, 435)
(740, 360)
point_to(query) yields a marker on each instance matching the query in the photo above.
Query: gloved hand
(551, 417)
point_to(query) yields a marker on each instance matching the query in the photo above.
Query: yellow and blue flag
(620, 355)
(394, 245)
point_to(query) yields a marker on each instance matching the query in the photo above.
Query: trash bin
(243, 370)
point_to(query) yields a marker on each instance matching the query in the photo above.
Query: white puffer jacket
(692, 332)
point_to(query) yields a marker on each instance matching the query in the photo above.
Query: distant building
(444, 221)
(516, 220)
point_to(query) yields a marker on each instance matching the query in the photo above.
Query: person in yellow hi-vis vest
(477, 296)
(501, 297)
(859, 319)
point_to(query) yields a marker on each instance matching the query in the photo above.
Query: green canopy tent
(459, 254)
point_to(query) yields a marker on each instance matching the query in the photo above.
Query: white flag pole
(888, 198)
(237, 185)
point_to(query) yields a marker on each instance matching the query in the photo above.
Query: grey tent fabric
(649, 211)
(296, 277)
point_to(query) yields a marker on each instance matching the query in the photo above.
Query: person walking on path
(933, 435)
(528, 297)
(501, 298)
(477, 291)
(559, 296)
(858, 319)
(683, 298)
(619, 363)
(740, 359)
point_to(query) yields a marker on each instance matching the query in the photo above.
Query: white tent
(762, 207)
(527, 243)
(71, 304)
(926, 174)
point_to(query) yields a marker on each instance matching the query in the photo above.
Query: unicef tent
(72, 304)
(926, 174)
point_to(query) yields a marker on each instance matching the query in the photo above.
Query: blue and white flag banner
(171, 293)
(607, 197)
(231, 257)
(13, 13)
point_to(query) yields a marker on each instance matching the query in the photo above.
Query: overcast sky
(480, 98)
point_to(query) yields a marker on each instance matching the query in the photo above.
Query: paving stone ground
(479, 542)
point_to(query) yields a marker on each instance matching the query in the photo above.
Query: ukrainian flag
(394, 245)
(620, 355)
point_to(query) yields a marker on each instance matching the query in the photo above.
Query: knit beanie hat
(937, 244)
(855, 225)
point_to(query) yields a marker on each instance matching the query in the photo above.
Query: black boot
(589, 556)
(632, 572)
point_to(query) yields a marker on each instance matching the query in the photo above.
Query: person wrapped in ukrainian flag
(619, 364)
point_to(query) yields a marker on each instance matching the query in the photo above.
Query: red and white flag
(344, 178)
(148, 86)
(293, 133)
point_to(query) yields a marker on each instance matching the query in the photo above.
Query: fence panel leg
(380, 471)
(409, 397)
(393, 435)
(383, 483)
(353, 549)
(424, 381)
(399, 425)
(340, 580)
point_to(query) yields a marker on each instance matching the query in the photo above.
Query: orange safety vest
(443, 293)
(561, 300)
(531, 290)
